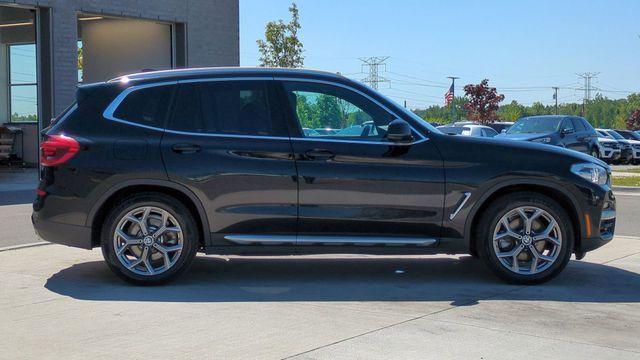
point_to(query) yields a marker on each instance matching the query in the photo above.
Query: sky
(523, 47)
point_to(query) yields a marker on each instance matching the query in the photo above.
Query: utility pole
(555, 96)
(453, 97)
(373, 65)
(587, 76)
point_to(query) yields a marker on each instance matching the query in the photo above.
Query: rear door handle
(185, 148)
(319, 154)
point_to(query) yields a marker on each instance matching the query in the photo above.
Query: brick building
(48, 47)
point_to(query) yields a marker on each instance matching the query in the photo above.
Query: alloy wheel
(527, 240)
(148, 240)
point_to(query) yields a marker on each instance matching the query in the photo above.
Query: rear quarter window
(146, 106)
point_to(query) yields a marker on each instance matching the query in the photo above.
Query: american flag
(448, 96)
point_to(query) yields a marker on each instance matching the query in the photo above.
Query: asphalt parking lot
(59, 302)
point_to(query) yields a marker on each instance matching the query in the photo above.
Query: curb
(633, 189)
(24, 246)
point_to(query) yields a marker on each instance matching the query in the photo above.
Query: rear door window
(146, 106)
(227, 108)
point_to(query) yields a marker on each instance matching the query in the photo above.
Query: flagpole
(453, 97)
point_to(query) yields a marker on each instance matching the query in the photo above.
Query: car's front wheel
(525, 238)
(149, 239)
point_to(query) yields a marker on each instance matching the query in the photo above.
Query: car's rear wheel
(526, 238)
(149, 239)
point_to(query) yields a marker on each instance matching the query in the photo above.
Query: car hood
(518, 151)
(607, 140)
(523, 136)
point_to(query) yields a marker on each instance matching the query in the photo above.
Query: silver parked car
(469, 130)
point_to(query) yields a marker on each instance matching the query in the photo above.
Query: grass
(635, 170)
(626, 181)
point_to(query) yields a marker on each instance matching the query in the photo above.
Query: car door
(363, 188)
(568, 134)
(583, 137)
(228, 143)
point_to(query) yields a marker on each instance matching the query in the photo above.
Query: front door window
(328, 111)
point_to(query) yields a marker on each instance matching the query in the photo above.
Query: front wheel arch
(564, 199)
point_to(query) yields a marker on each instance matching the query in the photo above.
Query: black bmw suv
(158, 166)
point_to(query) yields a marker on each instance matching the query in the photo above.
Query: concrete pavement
(59, 302)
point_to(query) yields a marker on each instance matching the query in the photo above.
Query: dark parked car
(158, 166)
(570, 132)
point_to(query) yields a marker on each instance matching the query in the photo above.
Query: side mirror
(399, 131)
(566, 131)
(504, 131)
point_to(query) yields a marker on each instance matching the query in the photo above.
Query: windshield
(450, 129)
(615, 135)
(628, 135)
(535, 125)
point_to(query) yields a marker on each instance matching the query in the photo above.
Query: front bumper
(64, 234)
(600, 225)
(610, 154)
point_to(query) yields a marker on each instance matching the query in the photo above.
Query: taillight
(57, 149)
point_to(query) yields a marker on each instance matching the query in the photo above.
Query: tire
(124, 251)
(556, 249)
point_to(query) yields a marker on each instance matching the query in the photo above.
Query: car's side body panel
(433, 188)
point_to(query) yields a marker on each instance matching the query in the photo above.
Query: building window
(23, 84)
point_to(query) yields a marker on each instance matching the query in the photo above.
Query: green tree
(282, 47)
(512, 111)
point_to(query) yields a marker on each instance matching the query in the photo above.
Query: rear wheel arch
(117, 193)
(568, 203)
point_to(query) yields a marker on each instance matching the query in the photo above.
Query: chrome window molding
(113, 106)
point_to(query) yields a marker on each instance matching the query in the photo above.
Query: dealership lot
(59, 302)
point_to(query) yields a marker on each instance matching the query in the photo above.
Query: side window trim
(281, 81)
(113, 106)
(111, 109)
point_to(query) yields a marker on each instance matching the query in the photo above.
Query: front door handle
(319, 154)
(185, 148)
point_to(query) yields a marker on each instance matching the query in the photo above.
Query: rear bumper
(64, 234)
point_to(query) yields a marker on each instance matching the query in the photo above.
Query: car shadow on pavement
(460, 281)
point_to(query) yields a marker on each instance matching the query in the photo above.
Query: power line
(373, 65)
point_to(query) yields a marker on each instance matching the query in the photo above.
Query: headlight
(544, 140)
(591, 172)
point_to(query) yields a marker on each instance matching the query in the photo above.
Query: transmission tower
(587, 76)
(372, 65)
